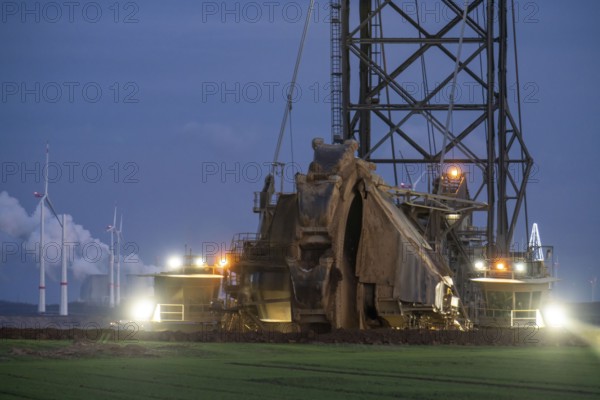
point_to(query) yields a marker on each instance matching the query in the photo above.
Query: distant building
(95, 289)
(138, 286)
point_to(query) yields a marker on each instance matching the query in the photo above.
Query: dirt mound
(82, 349)
(127, 343)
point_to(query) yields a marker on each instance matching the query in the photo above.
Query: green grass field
(52, 369)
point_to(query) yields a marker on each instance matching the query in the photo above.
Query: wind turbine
(119, 233)
(111, 258)
(64, 295)
(535, 244)
(45, 200)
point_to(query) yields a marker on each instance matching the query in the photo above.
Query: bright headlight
(174, 262)
(479, 265)
(555, 315)
(142, 310)
(520, 267)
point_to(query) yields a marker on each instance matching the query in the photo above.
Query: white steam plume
(87, 255)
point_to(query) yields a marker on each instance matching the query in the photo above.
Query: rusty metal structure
(346, 249)
(387, 115)
(341, 253)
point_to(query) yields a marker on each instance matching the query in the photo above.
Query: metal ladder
(376, 53)
(336, 70)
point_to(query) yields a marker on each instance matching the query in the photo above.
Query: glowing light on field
(142, 310)
(555, 316)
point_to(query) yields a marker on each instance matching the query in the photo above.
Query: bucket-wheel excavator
(341, 253)
(347, 250)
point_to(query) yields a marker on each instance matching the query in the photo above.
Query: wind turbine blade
(120, 231)
(47, 162)
(42, 202)
(52, 209)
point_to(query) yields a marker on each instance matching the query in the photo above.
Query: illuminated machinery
(340, 253)
(426, 100)
(187, 295)
(423, 87)
(516, 290)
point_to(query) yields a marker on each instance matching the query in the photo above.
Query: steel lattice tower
(397, 64)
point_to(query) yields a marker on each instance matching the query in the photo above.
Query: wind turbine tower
(119, 233)
(64, 294)
(111, 257)
(45, 200)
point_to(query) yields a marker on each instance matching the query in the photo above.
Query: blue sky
(172, 109)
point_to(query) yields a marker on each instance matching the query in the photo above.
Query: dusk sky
(172, 110)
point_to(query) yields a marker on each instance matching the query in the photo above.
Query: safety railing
(519, 318)
(171, 312)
